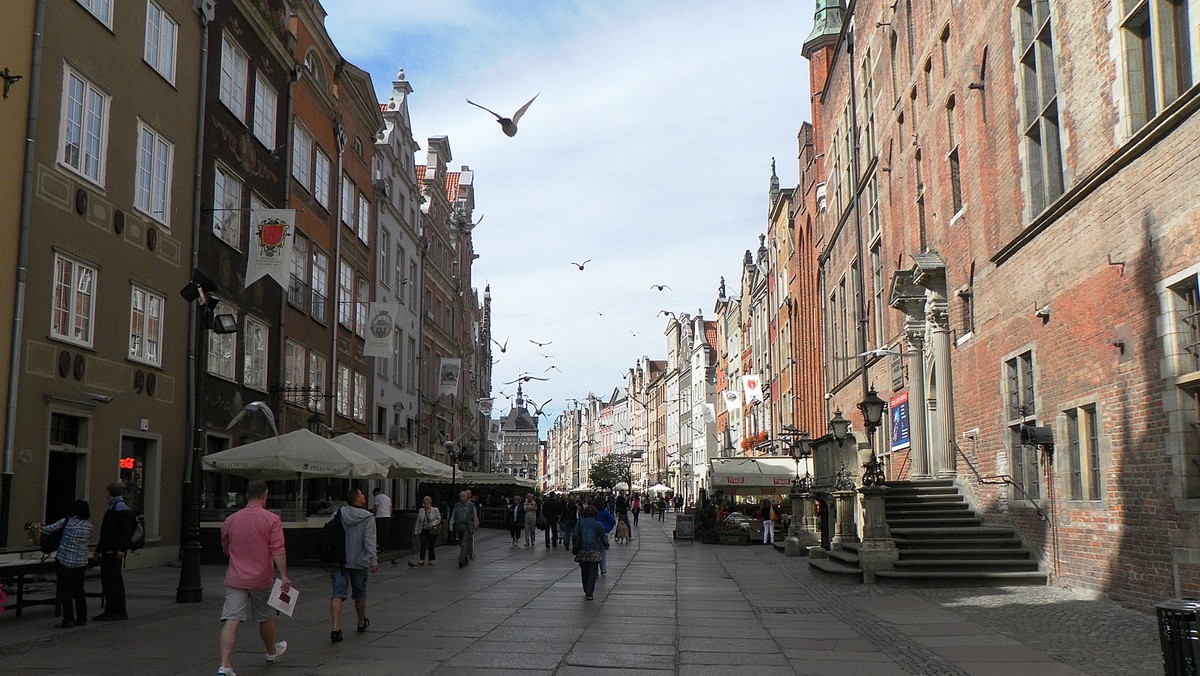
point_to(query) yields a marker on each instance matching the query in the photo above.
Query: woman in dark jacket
(515, 518)
(592, 541)
(72, 560)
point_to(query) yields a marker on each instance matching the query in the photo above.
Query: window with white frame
(364, 219)
(360, 397)
(1158, 55)
(227, 203)
(320, 285)
(101, 9)
(162, 34)
(84, 132)
(956, 194)
(155, 159)
(1083, 454)
(398, 356)
(399, 272)
(302, 152)
(413, 282)
(318, 375)
(222, 350)
(1180, 301)
(385, 257)
(294, 369)
(362, 298)
(298, 279)
(878, 292)
(345, 299)
(868, 107)
(146, 326)
(347, 205)
(1021, 410)
(266, 108)
(254, 365)
(411, 360)
(321, 178)
(234, 74)
(74, 301)
(1039, 106)
(342, 392)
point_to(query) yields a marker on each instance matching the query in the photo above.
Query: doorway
(63, 478)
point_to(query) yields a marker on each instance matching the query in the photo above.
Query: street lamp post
(872, 408)
(804, 532)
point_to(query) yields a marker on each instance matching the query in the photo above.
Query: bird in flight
(547, 356)
(668, 313)
(634, 333)
(600, 313)
(552, 366)
(537, 410)
(540, 344)
(524, 378)
(508, 124)
(660, 287)
(503, 346)
(255, 407)
(878, 352)
(580, 265)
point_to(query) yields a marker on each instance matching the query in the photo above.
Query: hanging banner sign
(381, 326)
(753, 387)
(448, 375)
(270, 251)
(710, 413)
(732, 400)
(901, 434)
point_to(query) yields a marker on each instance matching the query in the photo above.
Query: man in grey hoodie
(361, 560)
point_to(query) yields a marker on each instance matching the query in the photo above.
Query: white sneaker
(225, 671)
(280, 649)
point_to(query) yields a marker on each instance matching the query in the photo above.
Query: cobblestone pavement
(663, 608)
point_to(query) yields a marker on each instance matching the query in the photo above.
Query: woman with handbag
(590, 541)
(72, 560)
(515, 518)
(429, 524)
(531, 517)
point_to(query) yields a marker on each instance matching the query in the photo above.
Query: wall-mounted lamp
(9, 80)
(976, 85)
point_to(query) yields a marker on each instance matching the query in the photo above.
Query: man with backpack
(116, 532)
(360, 559)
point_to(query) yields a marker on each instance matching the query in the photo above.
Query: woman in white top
(429, 524)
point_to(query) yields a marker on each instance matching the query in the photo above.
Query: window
(302, 156)
(233, 78)
(360, 397)
(412, 281)
(1187, 323)
(1083, 454)
(398, 356)
(146, 326)
(321, 178)
(345, 300)
(868, 107)
(908, 33)
(298, 277)
(856, 312)
(401, 278)
(320, 285)
(966, 297)
(1180, 319)
(956, 196)
(293, 373)
(254, 368)
(84, 132)
(1157, 55)
(155, 157)
(1039, 95)
(928, 80)
(878, 301)
(944, 45)
(412, 358)
(101, 9)
(74, 300)
(343, 390)
(348, 190)
(1021, 410)
(227, 202)
(892, 41)
(362, 298)
(317, 375)
(222, 350)
(162, 33)
(385, 257)
(266, 105)
(364, 219)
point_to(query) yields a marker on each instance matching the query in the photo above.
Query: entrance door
(62, 483)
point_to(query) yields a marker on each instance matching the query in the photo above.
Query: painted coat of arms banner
(753, 386)
(732, 400)
(270, 251)
(448, 375)
(381, 326)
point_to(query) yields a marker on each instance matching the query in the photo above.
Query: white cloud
(647, 151)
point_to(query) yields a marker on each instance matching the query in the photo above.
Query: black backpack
(332, 546)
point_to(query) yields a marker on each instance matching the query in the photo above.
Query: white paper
(284, 602)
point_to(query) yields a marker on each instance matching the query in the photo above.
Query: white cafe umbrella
(401, 463)
(658, 488)
(296, 453)
(621, 486)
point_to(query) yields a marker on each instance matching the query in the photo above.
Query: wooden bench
(13, 573)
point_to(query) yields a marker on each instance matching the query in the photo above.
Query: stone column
(939, 321)
(846, 528)
(919, 449)
(878, 550)
(805, 531)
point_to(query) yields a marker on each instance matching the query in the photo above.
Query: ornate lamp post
(803, 532)
(872, 408)
(845, 529)
(878, 551)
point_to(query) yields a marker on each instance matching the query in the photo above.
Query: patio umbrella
(658, 488)
(621, 486)
(299, 453)
(401, 463)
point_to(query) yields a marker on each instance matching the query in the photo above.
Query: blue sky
(648, 151)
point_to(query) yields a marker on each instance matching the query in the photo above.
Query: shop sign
(898, 409)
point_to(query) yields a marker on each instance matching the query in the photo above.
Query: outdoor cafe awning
(466, 479)
(755, 476)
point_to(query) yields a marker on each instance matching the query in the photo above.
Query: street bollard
(1179, 634)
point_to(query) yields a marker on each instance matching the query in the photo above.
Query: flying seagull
(547, 356)
(600, 313)
(503, 346)
(255, 407)
(878, 352)
(635, 333)
(508, 124)
(668, 313)
(552, 366)
(540, 344)
(524, 378)
(660, 287)
(537, 410)
(580, 265)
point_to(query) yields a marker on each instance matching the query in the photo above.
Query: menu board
(685, 526)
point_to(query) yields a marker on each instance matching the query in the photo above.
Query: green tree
(612, 469)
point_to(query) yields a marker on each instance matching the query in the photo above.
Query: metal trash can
(1179, 633)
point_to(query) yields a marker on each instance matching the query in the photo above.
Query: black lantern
(315, 423)
(872, 408)
(839, 426)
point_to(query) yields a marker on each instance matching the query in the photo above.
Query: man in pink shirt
(253, 539)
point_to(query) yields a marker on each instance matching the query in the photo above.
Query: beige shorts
(245, 605)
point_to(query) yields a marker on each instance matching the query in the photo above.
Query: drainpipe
(340, 134)
(10, 413)
(287, 193)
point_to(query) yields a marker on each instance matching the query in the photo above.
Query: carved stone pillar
(846, 527)
(805, 529)
(918, 449)
(939, 324)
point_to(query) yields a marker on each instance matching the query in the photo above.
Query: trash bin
(1179, 633)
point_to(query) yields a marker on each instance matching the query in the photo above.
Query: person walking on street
(252, 537)
(567, 518)
(767, 514)
(71, 562)
(637, 508)
(362, 559)
(383, 518)
(605, 518)
(662, 508)
(474, 503)
(116, 530)
(531, 514)
(589, 545)
(514, 518)
(623, 510)
(427, 527)
(463, 521)
(550, 514)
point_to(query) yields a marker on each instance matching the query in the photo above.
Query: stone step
(845, 556)
(982, 533)
(918, 505)
(912, 578)
(935, 521)
(928, 513)
(931, 553)
(920, 483)
(833, 571)
(912, 492)
(959, 543)
(956, 564)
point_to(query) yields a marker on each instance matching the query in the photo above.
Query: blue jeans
(587, 571)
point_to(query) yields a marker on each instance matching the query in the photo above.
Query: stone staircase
(941, 542)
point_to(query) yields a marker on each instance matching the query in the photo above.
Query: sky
(647, 151)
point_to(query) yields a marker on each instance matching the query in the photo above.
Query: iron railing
(997, 480)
